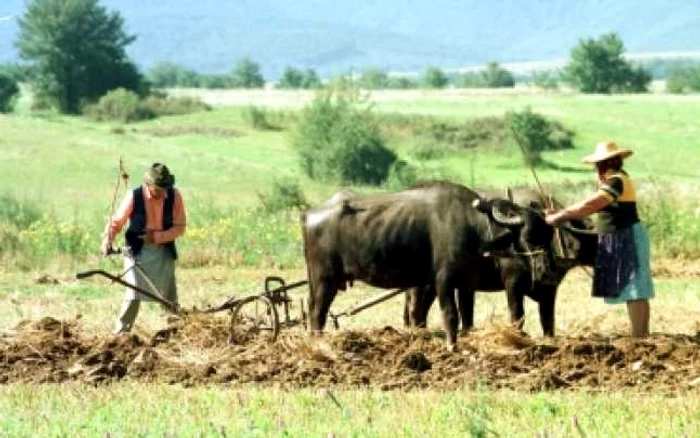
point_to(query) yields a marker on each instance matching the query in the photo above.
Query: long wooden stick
(531, 167)
(548, 198)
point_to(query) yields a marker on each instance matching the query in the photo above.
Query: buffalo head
(556, 251)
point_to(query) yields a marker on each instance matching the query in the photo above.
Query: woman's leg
(639, 311)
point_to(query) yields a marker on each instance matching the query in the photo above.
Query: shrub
(18, 213)
(285, 194)
(256, 117)
(546, 80)
(161, 105)
(401, 175)
(401, 83)
(9, 90)
(535, 134)
(338, 139)
(120, 105)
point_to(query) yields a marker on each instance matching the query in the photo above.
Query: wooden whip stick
(548, 198)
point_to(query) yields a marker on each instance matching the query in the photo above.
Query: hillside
(211, 35)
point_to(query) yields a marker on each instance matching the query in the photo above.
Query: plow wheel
(254, 317)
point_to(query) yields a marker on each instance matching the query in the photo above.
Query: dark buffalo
(425, 235)
(530, 259)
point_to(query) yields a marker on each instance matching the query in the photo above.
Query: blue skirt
(622, 270)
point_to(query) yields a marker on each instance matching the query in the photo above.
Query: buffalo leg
(514, 294)
(465, 302)
(417, 305)
(320, 299)
(446, 297)
(548, 295)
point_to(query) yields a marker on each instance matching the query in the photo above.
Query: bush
(161, 105)
(536, 134)
(286, 194)
(256, 117)
(9, 90)
(120, 105)
(401, 83)
(401, 176)
(546, 80)
(18, 213)
(339, 139)
(126, 106)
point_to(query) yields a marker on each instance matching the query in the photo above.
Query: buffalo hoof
(451, 347)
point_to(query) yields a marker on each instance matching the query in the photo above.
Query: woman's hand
(552, 217)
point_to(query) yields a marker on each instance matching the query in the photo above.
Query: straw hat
(606, 150)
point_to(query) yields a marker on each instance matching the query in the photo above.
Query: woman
(622, 272)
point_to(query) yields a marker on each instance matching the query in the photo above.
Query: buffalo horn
(502, 219)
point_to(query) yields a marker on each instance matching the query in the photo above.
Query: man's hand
(105, 247)
(149, 236)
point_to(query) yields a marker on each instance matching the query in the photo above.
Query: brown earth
(197, 350)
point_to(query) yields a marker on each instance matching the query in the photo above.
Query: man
(156, 215)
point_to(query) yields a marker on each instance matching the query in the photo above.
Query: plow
(261, 314)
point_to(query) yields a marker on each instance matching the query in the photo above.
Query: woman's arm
(579, 210)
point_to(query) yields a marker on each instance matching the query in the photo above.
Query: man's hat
(606, 150)
(160, 176)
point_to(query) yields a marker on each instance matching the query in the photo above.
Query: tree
(295, 78)
(291, 78)
(401, 82)
(165, 74)
(545, 79)
(9, 90)
(598, 66)
(311, 79)
(78, 50)
(434, 78)
(494, 76)
(246, 74)
(683, 79)
(374, 79)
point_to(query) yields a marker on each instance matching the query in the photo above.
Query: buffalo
(529, 259)
(431, 237)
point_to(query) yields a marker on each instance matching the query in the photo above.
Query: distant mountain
(342, 35)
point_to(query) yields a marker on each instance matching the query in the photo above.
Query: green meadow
(57, 183)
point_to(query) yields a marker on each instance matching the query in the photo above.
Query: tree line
(74, 52)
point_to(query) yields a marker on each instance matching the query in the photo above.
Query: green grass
(69, 163)
(660, 128)
(157, 411)
(67, 167)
